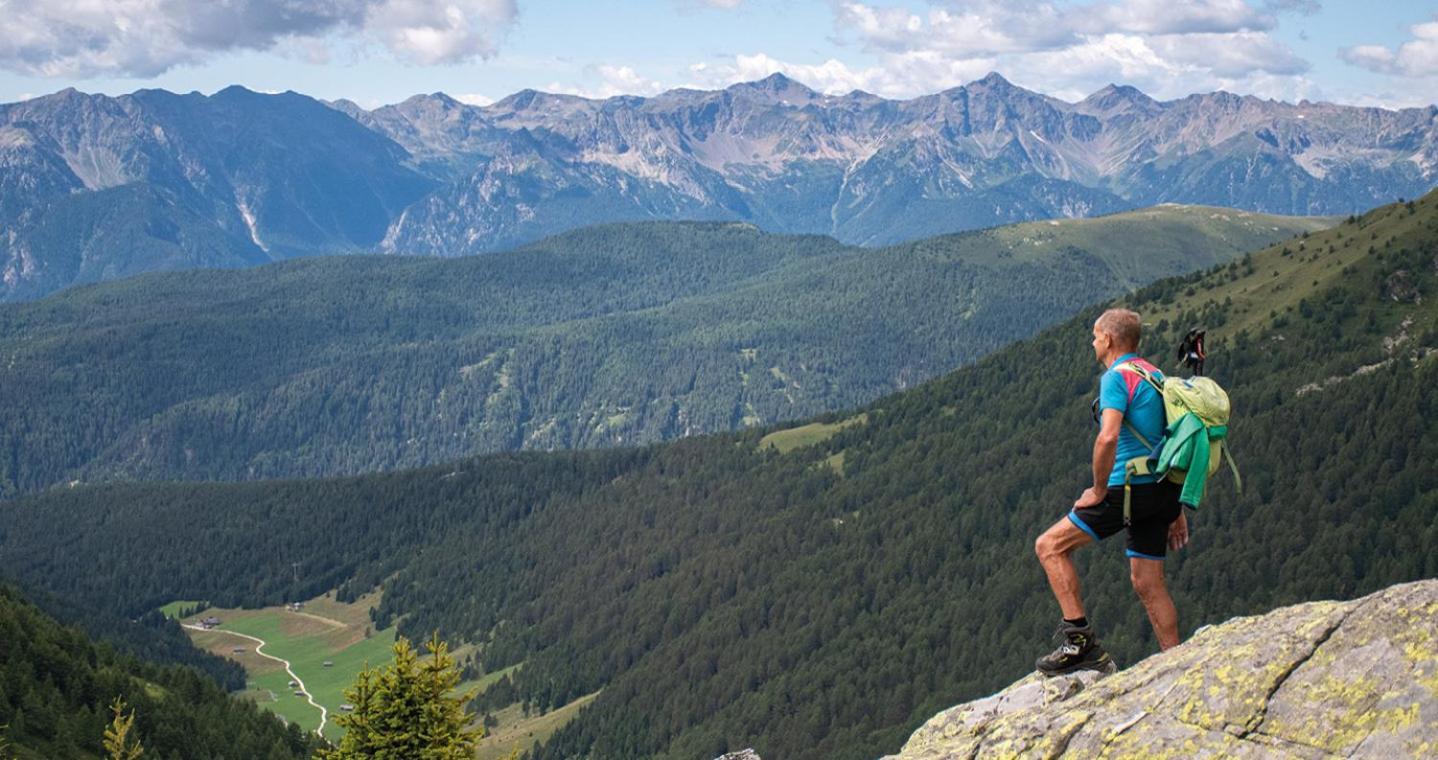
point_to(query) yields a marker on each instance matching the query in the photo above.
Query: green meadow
(322, 631)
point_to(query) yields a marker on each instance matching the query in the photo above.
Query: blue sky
(381, 51)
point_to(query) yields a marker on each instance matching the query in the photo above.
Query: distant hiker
(1190, 351)
(1157, 523)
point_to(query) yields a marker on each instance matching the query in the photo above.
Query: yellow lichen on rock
(1317, 680)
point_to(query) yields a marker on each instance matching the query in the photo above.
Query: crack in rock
(1255, 722)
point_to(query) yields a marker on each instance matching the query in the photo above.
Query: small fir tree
(119, 745)
(407, 710)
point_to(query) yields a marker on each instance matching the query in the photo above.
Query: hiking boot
(1079, 650)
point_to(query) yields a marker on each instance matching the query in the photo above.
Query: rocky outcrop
(1316, 680)
(747, 754)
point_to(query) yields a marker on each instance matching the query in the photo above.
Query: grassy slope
(788, 439)
(1170, 235)
(517, 731)
(621, 334)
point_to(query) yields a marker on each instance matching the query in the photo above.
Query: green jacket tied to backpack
(1196, 412)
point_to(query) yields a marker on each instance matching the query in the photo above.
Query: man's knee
(1049, 545)
(1147, 584)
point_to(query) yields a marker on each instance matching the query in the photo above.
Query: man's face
(1101, 343)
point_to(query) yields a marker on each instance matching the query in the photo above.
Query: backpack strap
(1143, 374)
(1228, 457)
(1135, 466)
(1138, 465)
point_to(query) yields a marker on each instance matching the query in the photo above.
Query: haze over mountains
(95, 187)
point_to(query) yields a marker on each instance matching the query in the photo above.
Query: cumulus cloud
(1166, 17)
(612, 81)
(144, 38)
(1417, 57)
(902, 74)
(1166, 48)
(975, 28)
(623, 80)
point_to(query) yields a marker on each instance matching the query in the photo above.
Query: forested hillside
(56, 688)
(618, 334)
(821, 600)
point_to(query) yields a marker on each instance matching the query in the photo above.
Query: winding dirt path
(324, 714)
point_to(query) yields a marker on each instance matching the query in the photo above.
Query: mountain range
(94, 187)
(819, 590)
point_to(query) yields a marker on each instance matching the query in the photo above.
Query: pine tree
(5, 753)
(118, 743)
(407, 710)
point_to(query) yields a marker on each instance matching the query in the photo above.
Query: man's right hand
(1092, 497)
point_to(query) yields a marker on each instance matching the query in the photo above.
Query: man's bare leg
(1054, 549)
(1147, 577)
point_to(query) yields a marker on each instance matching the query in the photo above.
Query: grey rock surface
(1316, 680)
(747, 754)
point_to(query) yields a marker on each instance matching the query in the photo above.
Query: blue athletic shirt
(1142, 406)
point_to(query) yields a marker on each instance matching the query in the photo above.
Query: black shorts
(1153, 507)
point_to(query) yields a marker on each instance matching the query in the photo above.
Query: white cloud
(473, 99)
(1417, 57)
(1167, 17)
(831, 76)
(1233, 55)
(144, 38)
(612, 81)
(623, 80)
(1166, 48)
(440, 31)
(902, 75)
(971, 29)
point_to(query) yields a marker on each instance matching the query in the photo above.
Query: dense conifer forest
(821, 601)
(620, 334)
(56, 687)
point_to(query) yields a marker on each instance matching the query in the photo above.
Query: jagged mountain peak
(859, 167)
(235, 90)
(1115, 98)
(777, 87)
(531, 99)
(776, 82)
(995, 80)
(346, 106)
(437, 97)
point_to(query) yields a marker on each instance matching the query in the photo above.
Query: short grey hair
(1123, 325)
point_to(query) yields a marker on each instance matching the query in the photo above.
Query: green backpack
(1196, 412)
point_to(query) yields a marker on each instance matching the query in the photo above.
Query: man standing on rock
(1157, 519)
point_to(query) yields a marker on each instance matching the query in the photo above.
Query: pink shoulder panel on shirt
(1132, 380)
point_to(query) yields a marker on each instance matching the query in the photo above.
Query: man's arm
(1105, 449)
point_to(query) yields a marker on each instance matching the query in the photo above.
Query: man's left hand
(1178, 531)
(1092, 497)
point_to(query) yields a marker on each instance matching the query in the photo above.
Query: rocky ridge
(1317, 680)
(240, 178)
